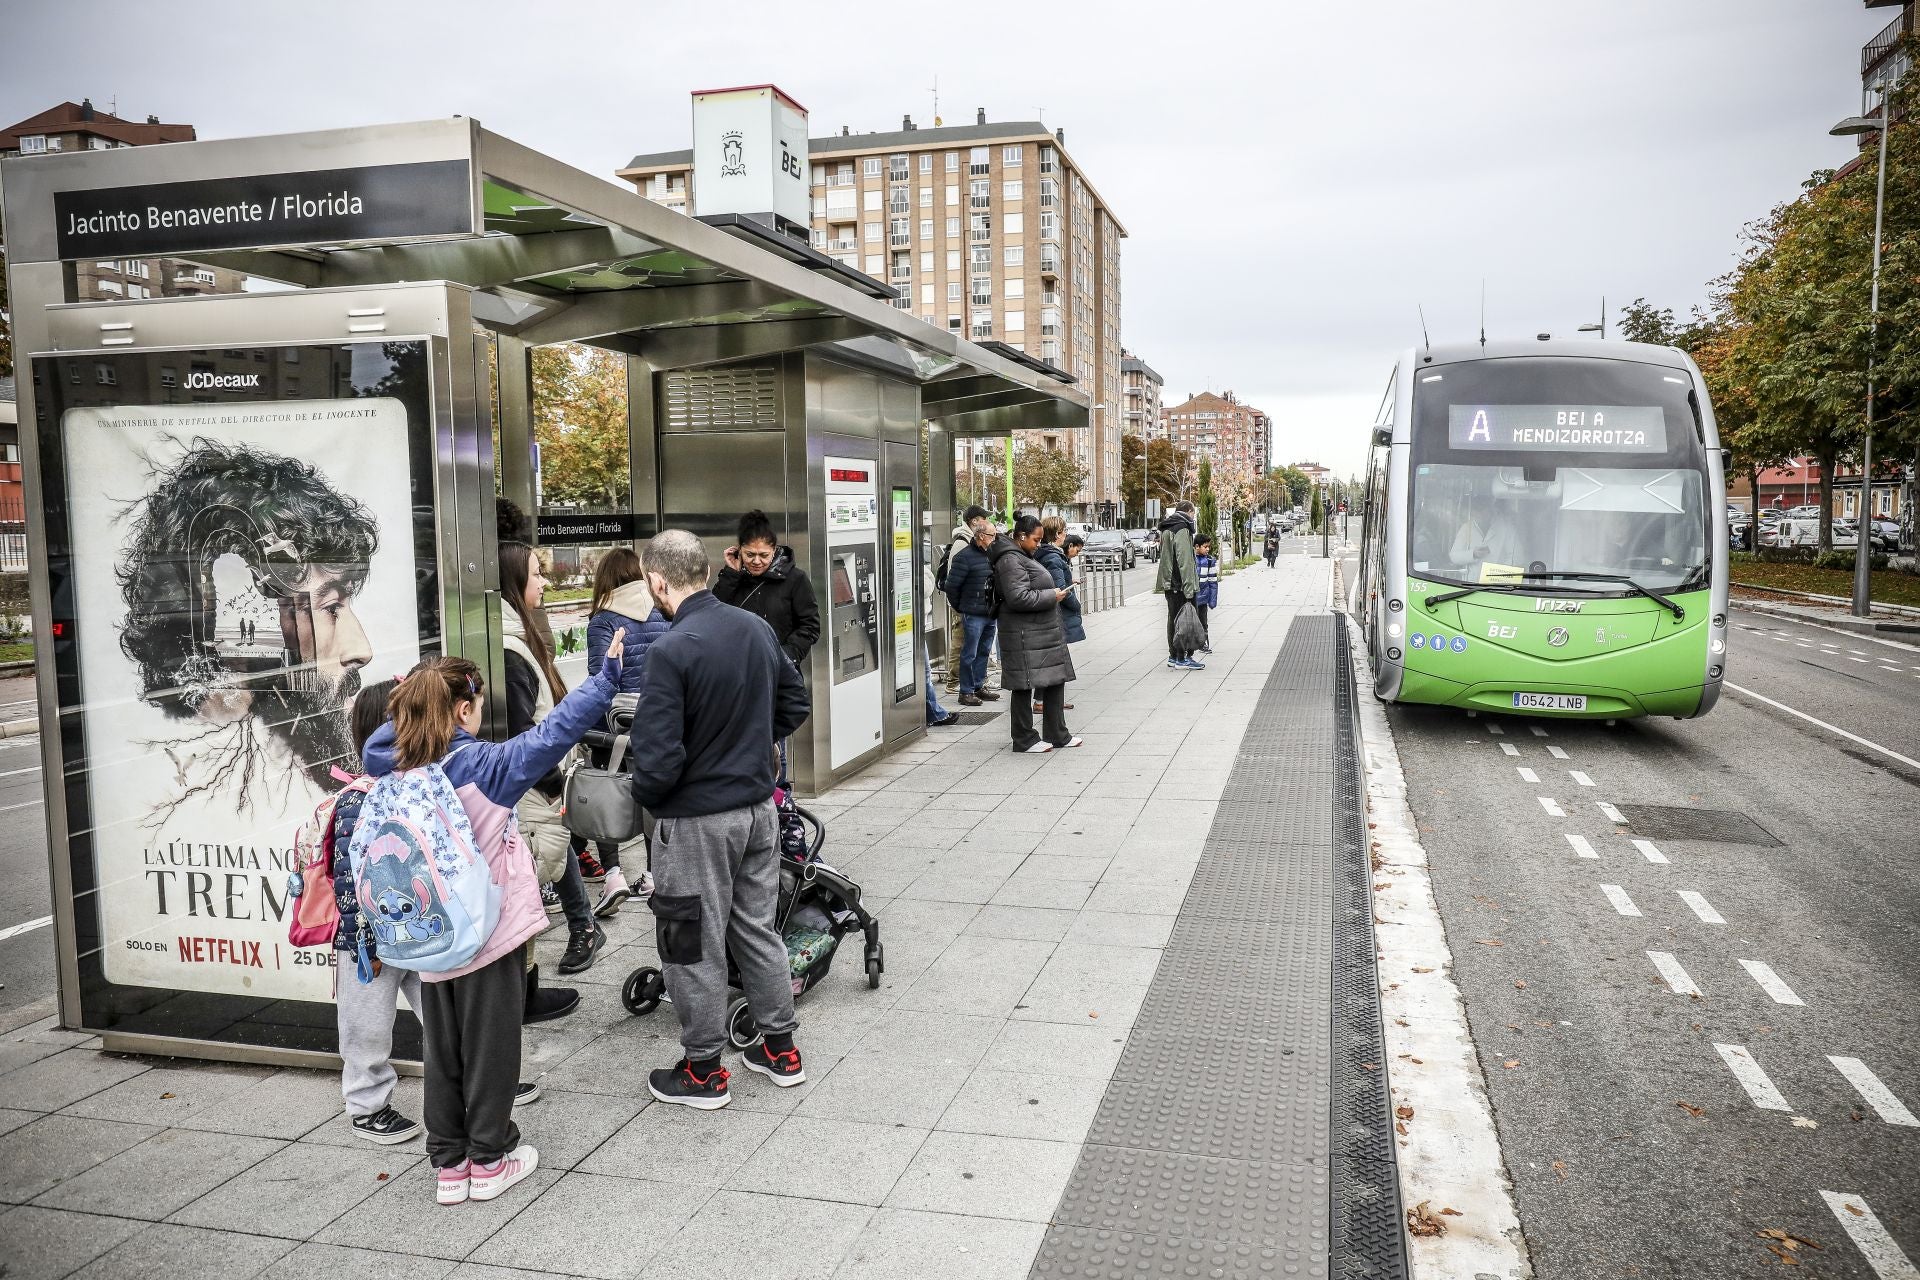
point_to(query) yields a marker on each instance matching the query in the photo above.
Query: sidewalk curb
(1801, 613)
(1450, 1155)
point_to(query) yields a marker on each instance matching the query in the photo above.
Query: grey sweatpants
(366, 1032)
(716, 885)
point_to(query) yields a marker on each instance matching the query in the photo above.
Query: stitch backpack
(314, 914)
(423, 885)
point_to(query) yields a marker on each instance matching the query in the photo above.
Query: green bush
(1842, 559)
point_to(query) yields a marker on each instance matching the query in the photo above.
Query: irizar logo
(222, 381)
(1544, 605)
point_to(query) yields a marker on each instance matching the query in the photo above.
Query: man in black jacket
(969, 590)
(718, 692)
(762, 577)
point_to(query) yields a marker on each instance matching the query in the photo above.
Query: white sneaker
(643, 888)
(1074, 741)
(492, 1180)
(613, 892)
(1038, 749)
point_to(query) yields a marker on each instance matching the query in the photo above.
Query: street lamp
(1600, 328)
(1863, 538)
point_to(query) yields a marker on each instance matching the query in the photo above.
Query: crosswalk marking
(1863, 1227)
(1613, 814)
(1558, 753)
(1538, 732)
(1507, 748)
(1751, 1077)
(1770, 982)
(1580, 777)
(1618, 897)
(1676, 977)
(1648, 851)
(1528, 775)
(1700, 907)
(1581, 846)
(1552, 806)
(1877, 1095)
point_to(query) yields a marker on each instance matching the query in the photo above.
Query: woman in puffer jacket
(621, 606)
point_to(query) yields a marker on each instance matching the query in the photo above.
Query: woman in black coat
(1034, 662)
(762, 578)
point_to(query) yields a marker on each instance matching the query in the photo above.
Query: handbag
(1188, 634)
(599, 803)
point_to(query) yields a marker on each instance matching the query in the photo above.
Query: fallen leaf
(1560, 1167)
(1690, 1109)
(1401, 1022)
(1519, 984)
(1421, 1222)
(1369, 1066)
(1786, 1238)
(165, 1096)
(1382, 885)
(1856, 1211)
(1511, 1063)
(1419, 970)
(1451, 1213)
(1490, 942)
(1856, 1117)
(1093, 1015)
(1400, 1127)
(381, 1177)
(1801, 1122)
(1786, 1259)
(1404, 1112)
(1414, 1060)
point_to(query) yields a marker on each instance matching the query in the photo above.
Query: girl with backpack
(622, 605)
(471, 1012)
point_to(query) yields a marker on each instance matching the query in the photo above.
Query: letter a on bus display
(1480, 430)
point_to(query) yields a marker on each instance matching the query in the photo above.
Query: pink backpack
(314, 917)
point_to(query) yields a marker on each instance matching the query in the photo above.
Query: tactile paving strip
(1238, 1201)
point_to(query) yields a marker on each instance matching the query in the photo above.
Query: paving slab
(157, 1178)
(746, 1233)
(589, 1225)
(45, 1244)
(37, 1157)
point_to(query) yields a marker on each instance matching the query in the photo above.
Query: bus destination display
(1570, 428)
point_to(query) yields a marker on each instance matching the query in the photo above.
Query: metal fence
(1102, 585)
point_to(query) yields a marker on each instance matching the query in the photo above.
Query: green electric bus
(1545, 532)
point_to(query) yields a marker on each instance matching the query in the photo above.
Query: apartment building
(1140, 408)
(1221, 428)
(80, 126)
(991, 231)
(1885, 57)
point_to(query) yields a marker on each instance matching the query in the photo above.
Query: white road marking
(1700, 907)
(1581, 846)
(1528, 775)
(1751, 1077)
(1676, 977)
(1783, 640)
(26, 805)
(1507, 748)
(1878, 1096)
(1494, 728)
(1770, 982)
(1552, 806)
(1863, 1226)
(1859, 651)
(1558, 753)
(13, 931)
(1612, 814)
(14, 773)
(1618, 897)
(1538, 732)
(1580, 777)
(1647, 848)
(1861, 661)
(1897, 671)
(1830, 728)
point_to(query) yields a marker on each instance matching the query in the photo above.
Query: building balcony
(1877, 49)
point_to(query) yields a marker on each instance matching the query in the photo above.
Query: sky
(1295, 179)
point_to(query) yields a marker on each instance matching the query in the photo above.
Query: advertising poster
(239, 569)
(903, 594)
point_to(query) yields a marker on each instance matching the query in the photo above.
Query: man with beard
(223, 509)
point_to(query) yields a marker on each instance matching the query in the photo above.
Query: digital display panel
(1565, 428)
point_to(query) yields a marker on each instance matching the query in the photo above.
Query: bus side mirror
(1382, 437)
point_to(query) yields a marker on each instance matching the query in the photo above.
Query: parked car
(1800, 532)
(1148, 541)
(1111, 546)
(1886, 534)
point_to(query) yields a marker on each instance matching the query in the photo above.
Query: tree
(1317, 513)
(580, 422)
(1167, 469)
(1045, 477)
(1208, 514)
(1640, 321)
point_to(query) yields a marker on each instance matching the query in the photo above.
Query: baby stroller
(817, 908)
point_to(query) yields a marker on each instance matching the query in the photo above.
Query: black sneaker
(525, 1093)
(590, 869)
(550, 899)
(385, 1126)
(582, 947)
(680, 1084)
(783, 1068)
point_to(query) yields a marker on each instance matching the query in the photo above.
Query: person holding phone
(1034, 661)
(1056, 552)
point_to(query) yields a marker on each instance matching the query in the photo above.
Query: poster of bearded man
(239, 571)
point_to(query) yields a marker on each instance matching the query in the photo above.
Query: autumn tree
(1208, 513)
(580, 422)
(1166, 472)
(1045, 477)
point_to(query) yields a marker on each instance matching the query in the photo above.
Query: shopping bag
(1188, 634)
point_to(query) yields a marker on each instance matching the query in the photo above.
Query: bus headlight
(1714, 671)
(1719, 619)
(1394, 655)
(1394, 606)
(1393, 630)
(1717, 646)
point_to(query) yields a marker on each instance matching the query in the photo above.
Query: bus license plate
(1551, 701)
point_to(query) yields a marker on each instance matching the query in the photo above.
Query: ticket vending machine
(853, 619)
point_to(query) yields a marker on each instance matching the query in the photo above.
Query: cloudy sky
(1295, 178)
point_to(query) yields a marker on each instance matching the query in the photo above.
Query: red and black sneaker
(780, 1066)
(686, 1084)
(590, 869)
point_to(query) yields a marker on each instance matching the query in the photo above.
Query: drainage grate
(977, 717)
(1677, 822)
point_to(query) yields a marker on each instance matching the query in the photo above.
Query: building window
(978, 161)
(926, 263)
(953, 228)
(140, 269)
(953, 291)
(1010, 156)
(871, 201)
(1047, 164)
(845, 173)
(926, 295)
(926, 228)
(898, 201)
(926, 162)
(981, 256)
(1011, 190)
(902, 267)
(953, 256)
(978, 194)
(875, 264)
(899, 233)
(953, 194)
(1049, 226)
(871, 166)
(980, 227)
(897, 167)
(1012, 223)
(873, 233)
(953, 166)
(1014, 255)
(109, 286)
(1015, 288)
(982, 291)
(926, 197)
(99, 144)
(819, 175)
(1016, 321)
(13, 552)
(983, 324)
(109, 265)
(32, 144)
(139, 291)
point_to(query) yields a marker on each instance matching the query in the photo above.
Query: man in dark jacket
(969, 590)
(762, 577)
(1178, 577)
(718, 693)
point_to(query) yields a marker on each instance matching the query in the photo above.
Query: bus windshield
(1558, 466)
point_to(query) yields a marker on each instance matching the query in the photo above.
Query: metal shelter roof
(558, 254)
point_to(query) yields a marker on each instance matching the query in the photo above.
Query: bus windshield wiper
(1679, 611)
(1509, 588)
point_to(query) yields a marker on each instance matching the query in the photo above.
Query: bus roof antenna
(1425, 340)
(1483, 313)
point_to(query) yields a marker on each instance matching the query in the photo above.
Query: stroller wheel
(742, 1031)
(642, 992)
(876, 963)
(873, 974)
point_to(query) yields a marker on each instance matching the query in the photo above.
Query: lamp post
(1600, 328)
(1863, 537)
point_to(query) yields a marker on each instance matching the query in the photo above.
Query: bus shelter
(241, 507)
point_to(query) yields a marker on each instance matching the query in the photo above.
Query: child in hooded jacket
(1209, 596)
(472, 1014)
(621, 605)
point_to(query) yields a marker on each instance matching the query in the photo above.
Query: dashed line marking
(1751, 1077)
(1861, 661)
(1528, 775)
(1507, 748)
(1558, 753)
(1582, 846)
(1618, 897)
(1580, 777)
(1676, 977)
(1494, 728)
(1770, 982)
(1700, 907)
(1647, 850)
(1859, 651)
(1862, 1225)
(14, 773)
(1538, 732)
(14, 931)
(1612, 814)
(1552, 806)
(24, 805)
(1877, 1095)
(1895, 670)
